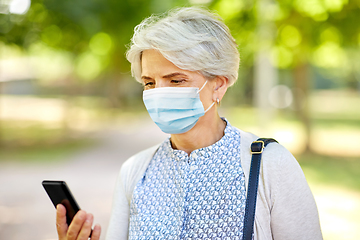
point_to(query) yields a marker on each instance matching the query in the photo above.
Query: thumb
(61, 225)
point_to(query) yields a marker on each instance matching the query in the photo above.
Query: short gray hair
(192, 38)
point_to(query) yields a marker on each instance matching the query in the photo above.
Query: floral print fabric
(196, 196)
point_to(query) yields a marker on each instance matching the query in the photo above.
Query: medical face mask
(174, 109)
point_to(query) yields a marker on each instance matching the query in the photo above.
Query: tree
(91, 35)
(94, 32)
(299, 34)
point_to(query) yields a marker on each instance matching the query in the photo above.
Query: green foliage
(95, 31)
(298, 31)
(316, 31)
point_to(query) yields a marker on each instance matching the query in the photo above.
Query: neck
(206, 132)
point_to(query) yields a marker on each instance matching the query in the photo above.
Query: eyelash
(177, 81)
(174, 81)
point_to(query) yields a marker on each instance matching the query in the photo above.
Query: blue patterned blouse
(201, 196)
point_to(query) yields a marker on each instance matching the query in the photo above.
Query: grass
(44, 152)
(337, 123)
(26, 141)
(334, 171)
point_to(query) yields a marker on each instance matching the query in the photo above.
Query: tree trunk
(301, 100)
(265, 78)
(1, 137)
(1, 132)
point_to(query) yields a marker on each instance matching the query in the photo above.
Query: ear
(220, 87)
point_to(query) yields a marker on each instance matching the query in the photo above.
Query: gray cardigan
(285, 208)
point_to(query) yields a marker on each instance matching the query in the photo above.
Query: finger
(86, 228)
(96, 232)
(76, 225)
(61, 225)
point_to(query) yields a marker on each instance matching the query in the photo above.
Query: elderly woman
(194, 184)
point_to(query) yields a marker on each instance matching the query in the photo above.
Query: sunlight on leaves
(281, 57)
(330, 34)
(51, 35)
(312, 8)
(271, 11)
(228, 8)
(101, 43)
(88, 66)
(335, 5)
(330, 55)
(194, 2)
(37, 13)
(318, 9)
(290, 36)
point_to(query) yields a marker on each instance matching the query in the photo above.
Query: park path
(25, 210)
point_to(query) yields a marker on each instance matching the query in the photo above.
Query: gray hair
(192, 38)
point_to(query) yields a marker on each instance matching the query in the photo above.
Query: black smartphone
(59, 192)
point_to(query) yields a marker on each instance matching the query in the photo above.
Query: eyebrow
(146, 77)
(175, 74)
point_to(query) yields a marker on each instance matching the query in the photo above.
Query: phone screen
(59, 192)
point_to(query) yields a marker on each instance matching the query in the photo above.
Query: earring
(218, 101)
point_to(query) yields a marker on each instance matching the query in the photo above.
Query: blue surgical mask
(174, 109)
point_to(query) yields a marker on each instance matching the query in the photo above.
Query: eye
(149, 84)
(177, 81)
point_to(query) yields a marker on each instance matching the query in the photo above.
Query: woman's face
(157, 71)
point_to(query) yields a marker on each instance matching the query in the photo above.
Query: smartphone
(59, 192)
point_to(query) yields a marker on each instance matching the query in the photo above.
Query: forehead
(155, 66)
(153, 62)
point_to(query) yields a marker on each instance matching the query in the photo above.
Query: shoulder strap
(257, 148)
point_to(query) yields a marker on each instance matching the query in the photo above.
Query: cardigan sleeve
(294, 213)
(119, 219)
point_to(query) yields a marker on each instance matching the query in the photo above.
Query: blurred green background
(64, 76)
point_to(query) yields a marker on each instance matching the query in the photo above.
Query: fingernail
(82, 214)
(89, 217)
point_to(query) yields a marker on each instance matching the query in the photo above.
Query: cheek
(206, 96)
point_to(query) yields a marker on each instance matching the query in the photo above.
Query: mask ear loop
(217, 100)
(209, 107)
(202, 87)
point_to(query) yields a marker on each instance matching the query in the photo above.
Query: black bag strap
(257, 147)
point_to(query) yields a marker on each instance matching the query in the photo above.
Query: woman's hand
(80, 227)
